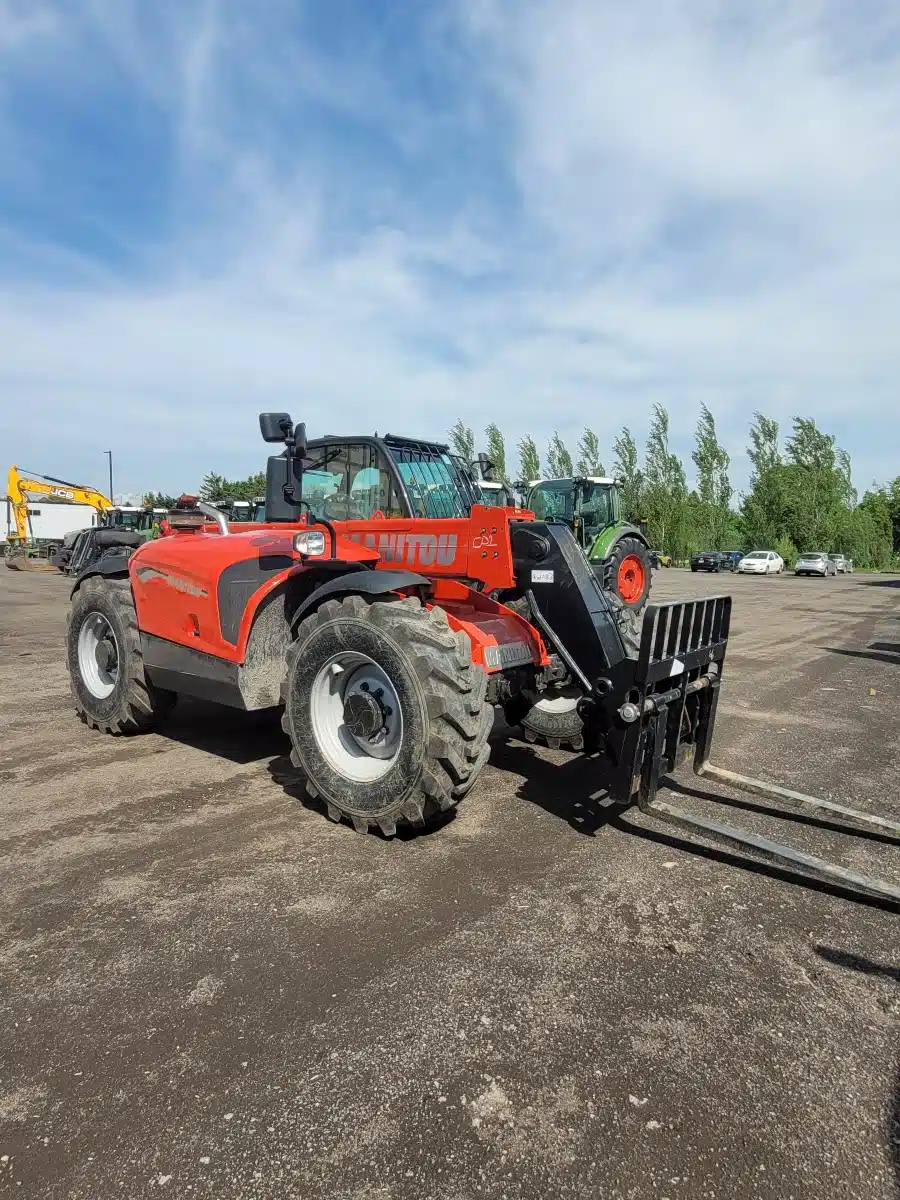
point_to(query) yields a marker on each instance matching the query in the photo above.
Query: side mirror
(300, 439)
(485, 468)
(277, 427)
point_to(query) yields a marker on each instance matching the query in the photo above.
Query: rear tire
(400, 667)
(105, 661)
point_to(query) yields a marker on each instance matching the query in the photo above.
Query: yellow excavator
(29, 549)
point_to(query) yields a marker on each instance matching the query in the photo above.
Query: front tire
(555, 721)
(386, 712)
(626, 573)
(554, 718)
(105, 661)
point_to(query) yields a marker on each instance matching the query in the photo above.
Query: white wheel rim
(358, 758)
(98, 655)
(562, 704)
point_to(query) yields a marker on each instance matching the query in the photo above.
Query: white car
(761, 562)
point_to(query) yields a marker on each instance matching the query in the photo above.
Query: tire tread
(455, 689)
(141, 705)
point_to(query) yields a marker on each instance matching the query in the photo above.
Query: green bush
(788, 551)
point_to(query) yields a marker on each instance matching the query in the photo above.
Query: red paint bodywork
(175, 578)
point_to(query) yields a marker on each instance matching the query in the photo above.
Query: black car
(711, 560)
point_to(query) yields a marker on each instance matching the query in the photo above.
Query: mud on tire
(105, 662)
(435, 744)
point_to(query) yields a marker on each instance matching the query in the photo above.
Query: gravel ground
(208, 990)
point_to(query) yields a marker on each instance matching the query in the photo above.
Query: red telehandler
(389, 612)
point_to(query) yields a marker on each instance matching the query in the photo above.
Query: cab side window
(348, 483)
(370, 489)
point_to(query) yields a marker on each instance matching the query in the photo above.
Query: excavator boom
(20, 486)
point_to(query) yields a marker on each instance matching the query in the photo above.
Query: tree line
(801, 496)
(216, 487)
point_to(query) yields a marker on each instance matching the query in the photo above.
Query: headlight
(310, 543)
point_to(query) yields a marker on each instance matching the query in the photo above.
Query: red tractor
(389, 613)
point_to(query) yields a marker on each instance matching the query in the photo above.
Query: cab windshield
(352, 482)
(129, 520)
(560, 499)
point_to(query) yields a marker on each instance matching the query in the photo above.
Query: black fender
(367, 582)
(629, 531)
(114, 565)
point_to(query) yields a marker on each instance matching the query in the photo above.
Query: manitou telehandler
(389, 638)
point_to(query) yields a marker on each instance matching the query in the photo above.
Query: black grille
(693, 631)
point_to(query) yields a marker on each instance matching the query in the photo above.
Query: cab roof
(572, 478)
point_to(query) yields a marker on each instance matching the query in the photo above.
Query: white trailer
(49, 523)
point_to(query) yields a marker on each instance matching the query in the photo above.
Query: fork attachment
(669, 715)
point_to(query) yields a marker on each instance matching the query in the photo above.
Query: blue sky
(387, 215)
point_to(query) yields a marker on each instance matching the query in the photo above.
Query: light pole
(109, 455)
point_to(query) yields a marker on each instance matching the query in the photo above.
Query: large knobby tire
(553, 717)
(626, 573)
(106, 666)
(386, 712)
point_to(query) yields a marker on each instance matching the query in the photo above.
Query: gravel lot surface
(208, 990)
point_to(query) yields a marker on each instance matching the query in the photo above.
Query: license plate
(507, 654)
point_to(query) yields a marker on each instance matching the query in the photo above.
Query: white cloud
(687, 206)
(22, 22)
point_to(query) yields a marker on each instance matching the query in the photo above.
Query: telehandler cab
(389, 638)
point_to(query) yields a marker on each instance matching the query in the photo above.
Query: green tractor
(621, 559)
(495, 494)
(591, 507)
(124, 525)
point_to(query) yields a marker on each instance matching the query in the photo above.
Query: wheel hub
(631, 579)
(356, 716)
(105, 654)
(98, 656)
(363, 714)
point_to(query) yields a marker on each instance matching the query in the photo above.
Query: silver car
(840, 563)
(815, 563)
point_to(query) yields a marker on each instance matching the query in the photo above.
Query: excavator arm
(19, 487)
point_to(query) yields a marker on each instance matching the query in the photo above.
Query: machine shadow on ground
(886, 652)
(767, 810)
(229, 733)
(865, 966)
(573, 792)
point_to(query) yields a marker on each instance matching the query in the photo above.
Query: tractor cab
(129, 517)
(495, 494)
(364, 478)
(588, 505)
(618, 551)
